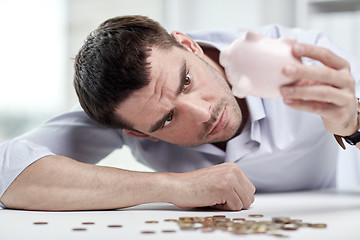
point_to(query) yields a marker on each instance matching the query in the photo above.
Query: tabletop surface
(339, 210)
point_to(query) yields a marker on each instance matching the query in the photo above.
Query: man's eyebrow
(182, 74)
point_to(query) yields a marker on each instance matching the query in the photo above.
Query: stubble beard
(233, 108)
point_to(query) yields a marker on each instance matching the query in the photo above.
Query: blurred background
(40, 38)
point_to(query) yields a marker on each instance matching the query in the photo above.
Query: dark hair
(112, 64)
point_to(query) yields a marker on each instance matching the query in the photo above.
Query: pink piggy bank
(253, 65)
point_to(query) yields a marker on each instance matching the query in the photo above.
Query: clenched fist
(222, 186)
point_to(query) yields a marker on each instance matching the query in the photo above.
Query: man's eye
(168, 119)
(187, 81)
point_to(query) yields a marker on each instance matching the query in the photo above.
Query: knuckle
(223, 185)
(324, 93)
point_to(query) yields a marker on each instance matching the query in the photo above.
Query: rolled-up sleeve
(72, 134)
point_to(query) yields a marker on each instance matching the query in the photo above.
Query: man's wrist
(353, 139)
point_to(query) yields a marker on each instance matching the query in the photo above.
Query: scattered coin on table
(79, 229)
(40, 223)
(88, 223)
(115, 226)
(242, 226)
(152, 221)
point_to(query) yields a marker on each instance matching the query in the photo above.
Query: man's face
(188, 102)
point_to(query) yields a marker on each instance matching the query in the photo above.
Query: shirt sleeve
(72, 134)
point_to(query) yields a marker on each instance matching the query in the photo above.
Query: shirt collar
(256, 113)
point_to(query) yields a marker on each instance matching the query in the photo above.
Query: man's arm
(60, 183)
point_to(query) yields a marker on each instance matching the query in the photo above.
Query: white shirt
(280, 149)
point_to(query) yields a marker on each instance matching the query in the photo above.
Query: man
(168, 99)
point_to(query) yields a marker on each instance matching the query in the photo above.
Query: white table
(340, 210)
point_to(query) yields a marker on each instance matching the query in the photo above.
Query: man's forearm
(59, 183)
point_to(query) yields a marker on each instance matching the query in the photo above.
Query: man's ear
(187, 42)
(139, 135)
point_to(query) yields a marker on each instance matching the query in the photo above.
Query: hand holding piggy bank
(253, 65)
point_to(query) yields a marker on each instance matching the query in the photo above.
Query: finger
(317, 93)
(321, 54)
(245, 191)
(233, 203)
(310, 106)
(320, 74)
(245, 199)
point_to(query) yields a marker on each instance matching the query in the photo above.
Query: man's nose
(195, 109)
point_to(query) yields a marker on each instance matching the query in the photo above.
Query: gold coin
(170, 220)
(281, 219)
(318, 225)
(289, 227)
(152, 222)
(304, 224)
(256, 216)
(295, 220)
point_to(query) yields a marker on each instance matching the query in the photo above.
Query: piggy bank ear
(253, 36)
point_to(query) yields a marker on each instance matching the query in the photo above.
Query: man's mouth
(220, 124)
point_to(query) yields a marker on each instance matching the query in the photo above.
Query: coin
(207, 229)
(318, 225)
(295, 220)
(168, 231)
(170, 220)
(281, 219)
(279, 235)
(79, 229)
(114, 226)
(88, 223)
(241, 226)
(304, 224)
(40, 223)
(289, 226)
(147, 232)
(151, 221)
